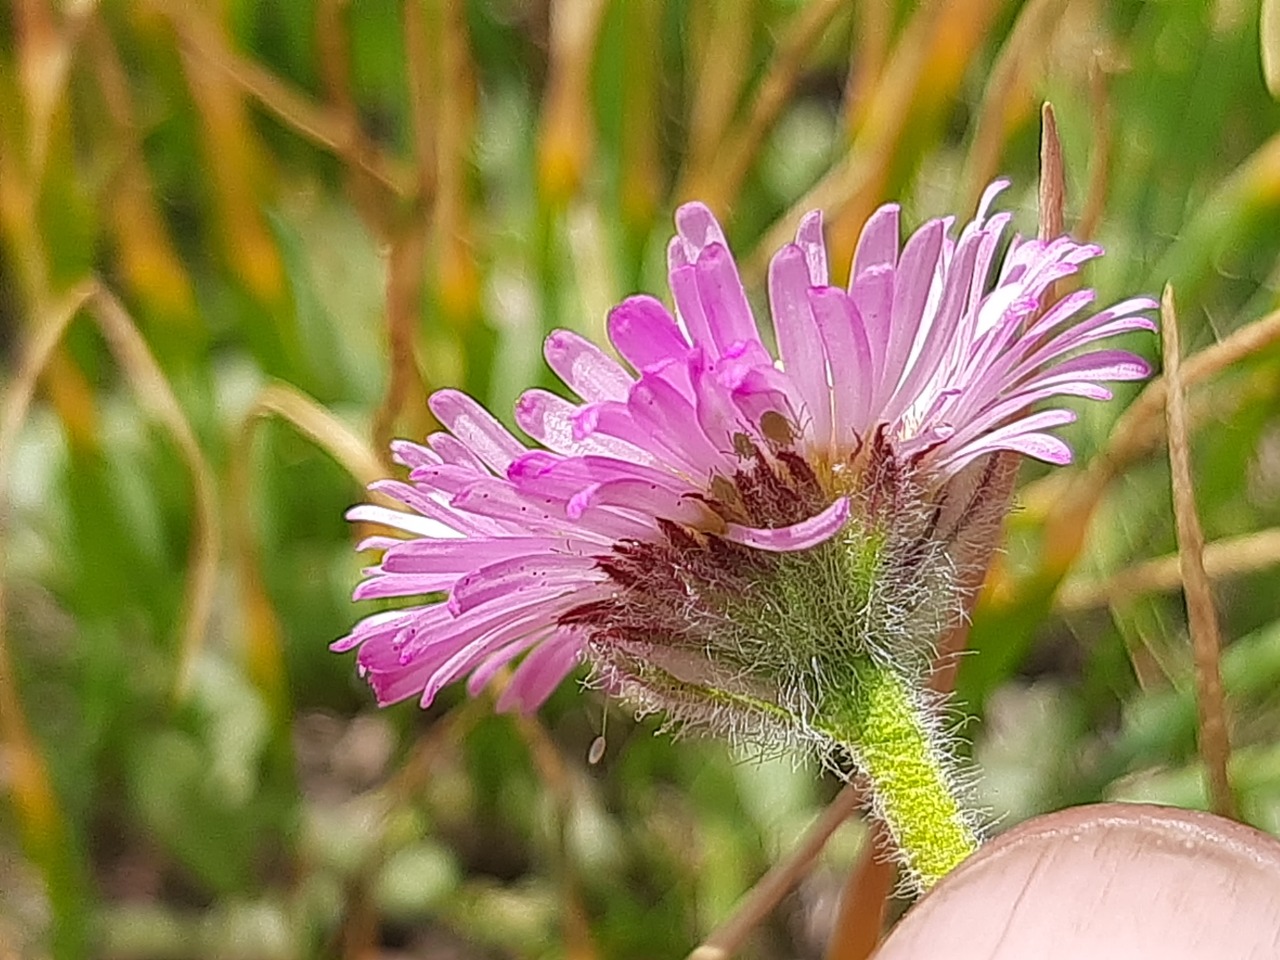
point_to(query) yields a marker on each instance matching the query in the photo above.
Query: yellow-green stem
(883, 727)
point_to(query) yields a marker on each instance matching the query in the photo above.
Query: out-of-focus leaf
(1269, 35)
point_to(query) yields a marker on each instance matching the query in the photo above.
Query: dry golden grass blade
(1269, 31)
(42, 69)
(457, 276)
(932, 79)
(237, 169)
(1202, 616)
(719, 47)
(780, 879)
(1229, 557)
(717, 184)
(66, 385)
(318, 425)
(321, 125)
(872, 31)
(149, 262)
(264, 645)
(47, 335)
(1009, 95)
(36, 805)
(46, 41)
(154, 395)
(863, 171)
(566, 137)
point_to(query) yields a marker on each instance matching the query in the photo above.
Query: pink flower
(708, 502)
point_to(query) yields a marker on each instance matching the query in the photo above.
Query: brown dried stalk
(778, 881)
(864, 901)
(1052, 191)
(333, 49)
(422, 104)
(1202, 617)
(406, 387)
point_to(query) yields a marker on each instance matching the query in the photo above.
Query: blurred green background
(239, 244)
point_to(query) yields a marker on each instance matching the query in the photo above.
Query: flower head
(718, 530)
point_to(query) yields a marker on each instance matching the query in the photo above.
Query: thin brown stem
(37, 807)
(421, 68)
(334, 59)
(780, 879)
(406, 387)
(1053, 184)
(1202, 617)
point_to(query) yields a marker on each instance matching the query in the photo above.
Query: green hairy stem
(885, 729)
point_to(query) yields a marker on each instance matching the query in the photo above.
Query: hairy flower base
(817, 648)
(778, 628)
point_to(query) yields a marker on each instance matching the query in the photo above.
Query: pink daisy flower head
(723, 530)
